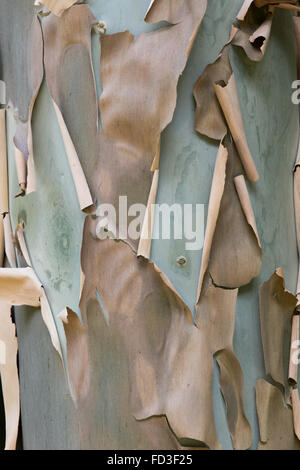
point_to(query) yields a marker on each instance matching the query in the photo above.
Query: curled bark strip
(21, 166)
(228, 98)
(9, 242)
(297, 217)
(296, 411)
(82, 189)
(62, 36)
(276, 307)
(178, 11)
(240, 185)
(17, 287)
(144, 248)
(209, 119)
(275, 420)
(230, 213)
(254, 29)
(216, 194)
(20, 286)
(2, 241)
(77, 347)
(3, 166)
(21, 243)
(44, 304)
(232, 387)
(218, 108)
(37, 75)
(288, 6)
(294, 351)
(235, 256)
(56, 6)
(9, 375)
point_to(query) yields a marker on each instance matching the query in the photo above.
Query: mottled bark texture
(136, 365)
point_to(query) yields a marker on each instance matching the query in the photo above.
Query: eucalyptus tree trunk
(133, 374)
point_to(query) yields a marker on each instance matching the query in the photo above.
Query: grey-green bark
(54, 228)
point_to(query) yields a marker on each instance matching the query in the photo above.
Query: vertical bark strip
(276, 308)
(56, 6)
(21, 52)
(275, 420)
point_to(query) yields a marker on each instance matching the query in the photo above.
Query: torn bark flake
(58, 7)
(232, 253)
(276, 308)
(275, 419)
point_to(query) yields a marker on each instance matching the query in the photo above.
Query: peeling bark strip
(3, 166)
(169, 356)
(143, 301)
(72, 30)
(228, 98)
(21, 94)
(254, 28)
(297, 200)
(276, 307)
(140, 293)
(209, 119)
(275, 420)
(296, 411)
(9, 376)
(129, 68)
(77, 347)
(18, 286)
(216, 193)
(295, 336)
(56, 6)
(232, 253)
(232, 387)
(44, 304)
(215, 90)
(164, 346)
(144, 248)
